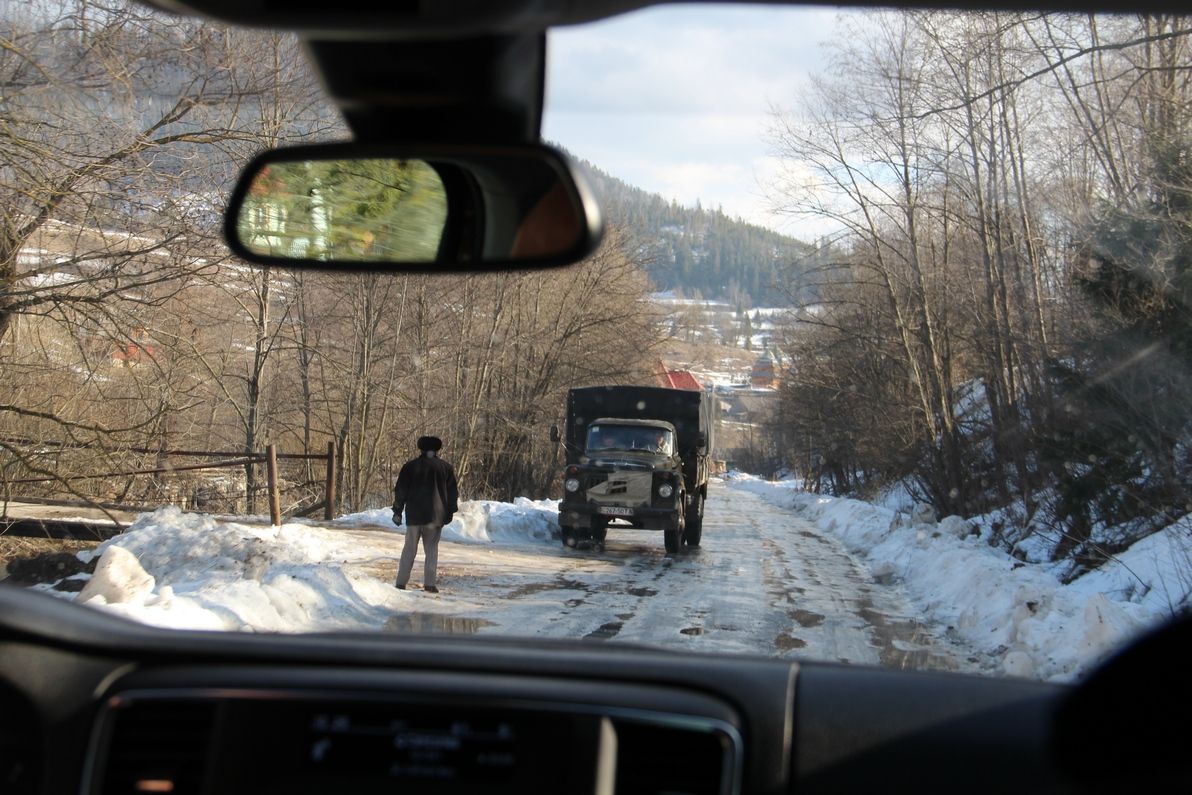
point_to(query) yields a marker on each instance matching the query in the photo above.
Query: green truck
(638, 457)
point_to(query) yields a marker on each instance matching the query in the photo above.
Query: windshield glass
(911, 288)
(630, 437)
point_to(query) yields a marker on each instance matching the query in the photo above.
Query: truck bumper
(582, 515)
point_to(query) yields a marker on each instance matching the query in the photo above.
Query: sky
(677, 99)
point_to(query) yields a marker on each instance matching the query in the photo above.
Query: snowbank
(1003, 607)
(192, 571)
(523, 521)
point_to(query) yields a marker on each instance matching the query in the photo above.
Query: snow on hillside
(708, 324)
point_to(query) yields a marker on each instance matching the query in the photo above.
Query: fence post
(274, 492)
(329, 488)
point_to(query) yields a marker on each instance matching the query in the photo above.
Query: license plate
(613, 510)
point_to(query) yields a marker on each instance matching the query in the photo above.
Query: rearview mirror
(412, 207)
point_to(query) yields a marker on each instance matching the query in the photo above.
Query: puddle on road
(696, 631)
(904, 643)
(806, 618)
(434, 623)
(787, 642)
(641, 592)
(625, 552)
(561, 584)
(606, 631)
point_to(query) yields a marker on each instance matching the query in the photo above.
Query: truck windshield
(630, 437)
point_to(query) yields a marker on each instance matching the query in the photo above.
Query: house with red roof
(676, 379)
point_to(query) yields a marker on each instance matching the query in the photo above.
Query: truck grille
(622, 465)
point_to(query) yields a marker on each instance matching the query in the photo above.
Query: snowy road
(764, 582)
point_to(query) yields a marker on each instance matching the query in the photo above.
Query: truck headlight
(571, 484)
(665, 491)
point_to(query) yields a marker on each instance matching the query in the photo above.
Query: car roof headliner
(437, 19)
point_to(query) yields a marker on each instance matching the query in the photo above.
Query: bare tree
(1009, 201)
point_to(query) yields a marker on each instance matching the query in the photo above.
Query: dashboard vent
(158, 746)
(653, 759)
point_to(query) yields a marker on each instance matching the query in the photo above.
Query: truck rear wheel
(695, 522)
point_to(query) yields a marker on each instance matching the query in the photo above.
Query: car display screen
(312, 748)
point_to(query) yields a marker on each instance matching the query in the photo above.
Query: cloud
(685, 60)
(676, 100)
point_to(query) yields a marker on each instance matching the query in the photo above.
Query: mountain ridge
(698, 252)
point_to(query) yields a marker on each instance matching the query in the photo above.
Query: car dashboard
(91, 703)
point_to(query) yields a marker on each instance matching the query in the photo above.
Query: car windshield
(629, 437)
(912, 288)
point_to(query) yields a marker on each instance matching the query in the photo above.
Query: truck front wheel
(695, 522)
(673, 539)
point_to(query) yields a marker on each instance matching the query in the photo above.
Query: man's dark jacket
(426, 491)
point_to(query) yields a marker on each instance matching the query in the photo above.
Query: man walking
(426, 491)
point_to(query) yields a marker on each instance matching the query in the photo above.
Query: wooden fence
(269, 457)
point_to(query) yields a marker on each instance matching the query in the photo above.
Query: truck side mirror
(554, 433)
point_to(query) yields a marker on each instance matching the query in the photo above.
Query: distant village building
(675, 379)
(767, 370)
(140, 349)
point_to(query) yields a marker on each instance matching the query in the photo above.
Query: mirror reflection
(360, 210)
(471, 207)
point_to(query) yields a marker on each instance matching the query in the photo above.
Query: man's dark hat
(429, 443)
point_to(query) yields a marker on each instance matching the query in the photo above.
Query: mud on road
(763, 582)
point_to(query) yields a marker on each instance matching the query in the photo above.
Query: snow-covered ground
(781, 573)
(184, 570)
(1014, 611)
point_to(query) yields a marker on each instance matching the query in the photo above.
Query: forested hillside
(699, 252)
